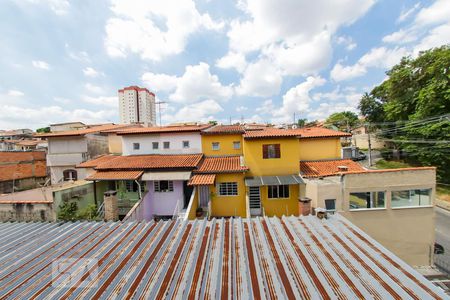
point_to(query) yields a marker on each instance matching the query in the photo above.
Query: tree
(414, 102)
(342, 120)
(43, 130)
(301, 122)
(68, 211)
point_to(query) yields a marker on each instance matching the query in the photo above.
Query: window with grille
(163, 186)
(131, 186)
(277, 191)
(185, 144)
(155, 145)
(271, 151)
(166, 145)
(228, 189)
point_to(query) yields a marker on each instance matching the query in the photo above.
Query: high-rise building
(137, 105)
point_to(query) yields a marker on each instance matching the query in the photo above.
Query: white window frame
(215, 146)
(279, 189)
(371, 199)
(227, 189)
(157, 186)
(236, 145)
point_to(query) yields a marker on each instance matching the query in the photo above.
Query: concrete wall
(74, 144)
(165, 203)
(21, 184)
(320, 148)
(361, 141)
(97, 144)
(26, 212)
(175, 139)
(226, 144)
(280, 206)
(407, 231)
(115, 143)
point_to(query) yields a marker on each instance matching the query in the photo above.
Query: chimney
(110, 206)
(304, 206)
(342, 168)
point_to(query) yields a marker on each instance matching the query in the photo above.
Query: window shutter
(265, 151)
(277, 151)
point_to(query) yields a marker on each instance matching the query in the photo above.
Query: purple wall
(162, 203)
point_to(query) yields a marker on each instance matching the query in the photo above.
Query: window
(367, 200)
(155, 145)
(411, 198)
(69, 175)
(136, 146)
(271, 151)
(277, 191)
(166, 145)
(163, 186)
(185, 144)
(215, 145)
(131, 186)
(330, 204)
(228, 189)
(237, 145)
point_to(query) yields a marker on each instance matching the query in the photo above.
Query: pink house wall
(163, 203)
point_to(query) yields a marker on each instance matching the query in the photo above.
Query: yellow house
(318, 143)
(222, 140)
(273, 182)
(220, 188)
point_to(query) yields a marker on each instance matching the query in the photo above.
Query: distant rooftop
(268, 258)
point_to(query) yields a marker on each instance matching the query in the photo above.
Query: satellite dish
(294, 126)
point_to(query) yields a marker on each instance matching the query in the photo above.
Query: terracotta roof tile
(318, 132)
(222, 164)
(96, 161)
(80, 132)
(270, 132)
(115, 175)
(164, 129)
(328, 167)
(224, 129)
(154, 161)
(202, 179)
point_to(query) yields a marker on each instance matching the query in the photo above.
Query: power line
(417, 141)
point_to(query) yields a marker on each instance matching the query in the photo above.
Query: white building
(137, 105)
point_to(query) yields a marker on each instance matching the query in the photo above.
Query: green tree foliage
(413, 97)
(43, 130)
(301, 122)
(345, 120)
(68, 211)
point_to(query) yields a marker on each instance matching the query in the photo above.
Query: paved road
(443, 238)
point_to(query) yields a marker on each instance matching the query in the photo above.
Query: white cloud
(90, 72)
(62, 100)
(232, 60)
(407, 13)
(438, 36)
(93, 88)
(380, 57)
(241, 108)
(153, 29)
(160, 82)
(266, 108)
(59, 7)
(401, 36)
(42, 116)
(437, 13)
(15, 93)
(202, 111)
(102, 100)
(40, 64)
(261, 79)
(347, 41)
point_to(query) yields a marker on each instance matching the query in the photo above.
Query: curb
(442, 204)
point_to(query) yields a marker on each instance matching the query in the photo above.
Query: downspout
(95, 193)
(139, 189)
(342, 191)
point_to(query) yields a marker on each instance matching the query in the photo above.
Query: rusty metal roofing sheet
(257, 258)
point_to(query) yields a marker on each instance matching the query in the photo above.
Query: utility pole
(159, 109)
(369, 145)
(294, 119)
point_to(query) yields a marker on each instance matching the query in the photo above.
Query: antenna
(159, 109)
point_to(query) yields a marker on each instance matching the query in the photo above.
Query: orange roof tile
(319, 132)
(221, 164)
(97, 161)
(224, 129)
(115, 175)
(202, 179)
(328, 167)
(270, 132)
(95, 129)
(164, 129)
(153, 161)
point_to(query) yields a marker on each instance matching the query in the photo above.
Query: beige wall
(407, 232)
(114, 143)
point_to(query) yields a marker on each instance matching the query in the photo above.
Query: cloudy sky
(257, 60)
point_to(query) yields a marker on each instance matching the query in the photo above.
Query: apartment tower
(137, 105)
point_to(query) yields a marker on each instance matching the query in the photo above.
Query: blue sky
(256, 60)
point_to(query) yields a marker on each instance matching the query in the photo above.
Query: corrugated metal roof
(228, 258)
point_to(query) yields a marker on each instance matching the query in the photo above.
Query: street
(442, 229)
